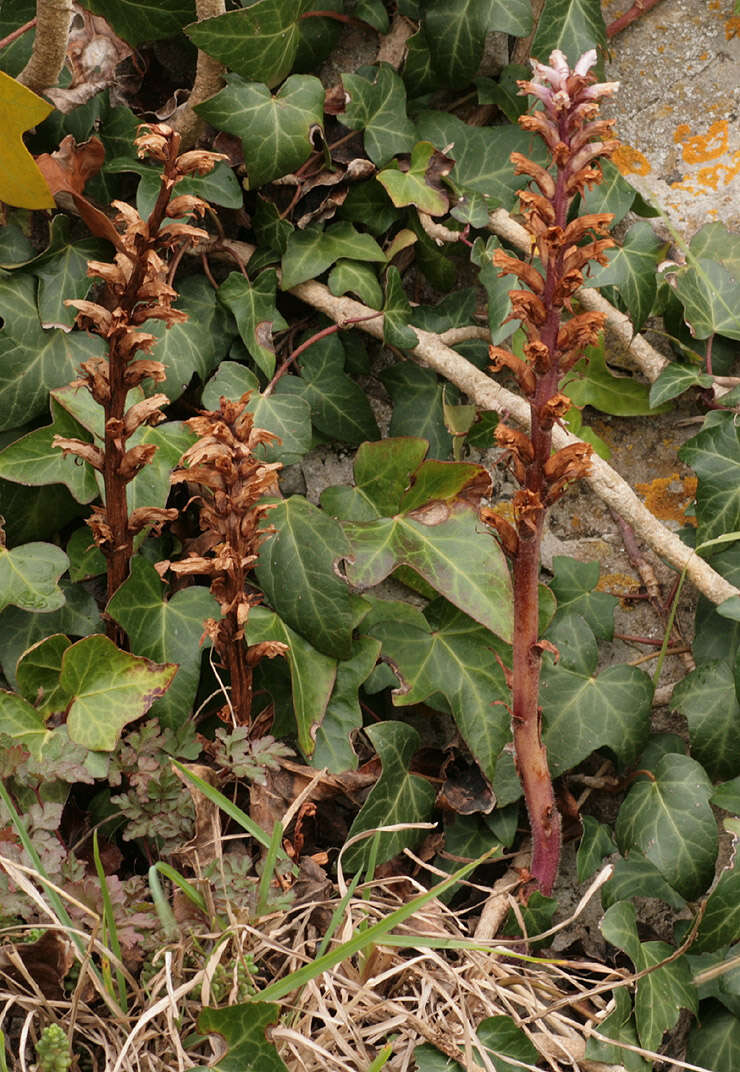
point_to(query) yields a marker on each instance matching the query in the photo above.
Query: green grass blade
(268, 869)
(338, 914)
(162, 905)
(359, 941)
(381, 1059)
(193, 895)
(111, 930)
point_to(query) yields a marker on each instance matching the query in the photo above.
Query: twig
(640, 7)
(53, 18)
(481, 389)
(209, 80)
(17, 33)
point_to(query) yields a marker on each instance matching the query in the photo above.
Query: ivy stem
(331, 330)
(17, 33)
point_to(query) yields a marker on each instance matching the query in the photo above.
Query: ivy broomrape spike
(577, 139)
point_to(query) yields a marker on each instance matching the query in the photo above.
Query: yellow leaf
(21, 182)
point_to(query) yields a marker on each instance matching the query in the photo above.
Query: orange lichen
(631, 161)
(698, 148)
(732, 27)
(618, 584)
(669, 497)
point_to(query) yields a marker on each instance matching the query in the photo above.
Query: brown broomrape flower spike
(234, 483)
(135, 289)
(577, 140)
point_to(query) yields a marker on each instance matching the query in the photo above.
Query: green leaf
(32, 460)
(339, 408)
(166, 631)
(720, 924)
(29, 577)
(455, 35)
(312, 674)
(377, 105)
(707, 699)
(508, 16)
(714, 456)
(638, 877)
(271, 231)
(596, 843)
(33, 361)
(296, 572)
(396, 797)
(669, 819)
(429, 1059)
(193, 348)
(38, 672)
(632, 267)
(311, 252)
(243, 1029)
(258, 42)
(574, 586)
(710, 297)
(501, 1038)
(447, 547)
(396, 314)
(286, 416)
(497, 289)
(582, 712)
(103, 689)
(253, 306)
(620, 1026)
(447, 661)
(674, 380)
(62, 272)
(417, 184)
(220, 186)
(374, 13)
(714, 242)
(591, 383)
(382, 472)
(613, 194)
(663, 992)
(573, 26)
(23, 723)
(576, 643)
(275, 131)
(138, 21)
(343, 715)
(85, 559)
(352, 277)
(20, 630)
(151, 487)
(481, 155)
(715, 1041)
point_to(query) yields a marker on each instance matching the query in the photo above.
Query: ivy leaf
(22, 184)
(481, 155)
(243, 1029)
(339, 408)
(446, 546)
(382, 472)
(166, 631)
(720, 924)
(353, 277)
(312, 674)
(573, 26)
(34, 361)
(38, 672)
(32, 460)
(275, 131)
(638, 877)
(501, 1038)
(455, 35)
(663, 992)
(509, 16)
(710, 297)
(196, 346)
(707, 699)
(253, 307)
(397, 314)
(574, 586)
(23, 723)
(596, 843)
(631, 269)
(377, 105)
(418, 183)
(497, 289)
(613, 194)
(447, 661)
(669, 819)
(62, 272)
(21, 629)
(714, 456)
(258, 42)
(14, 56)
(620, 1026)
(286, 416)
(29, 576)
(582, 712)
(396, 797)
(343, 714)
(674, 380)
(715, 1041)
(310, 252)
(296, 572)
(151, 487)
(591, 383)
(85, 559)
(714, 242)
(139, 21)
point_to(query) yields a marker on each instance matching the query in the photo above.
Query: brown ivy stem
(324, 333)
(17, 33)
(639, 8)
